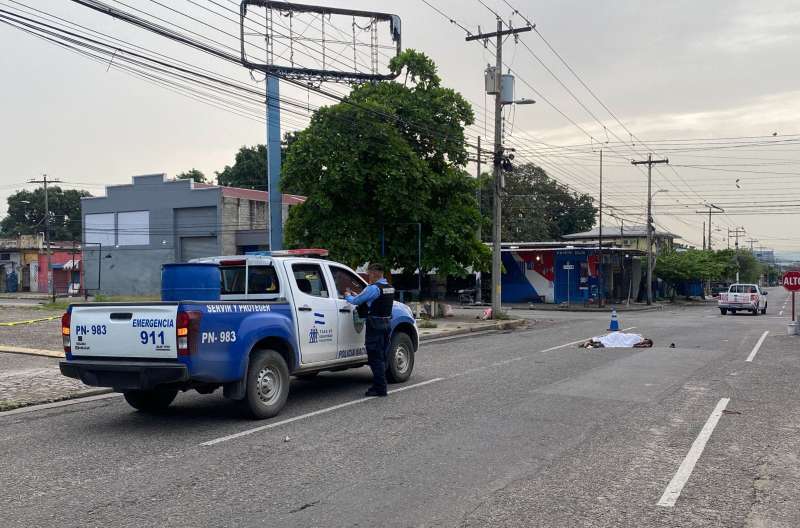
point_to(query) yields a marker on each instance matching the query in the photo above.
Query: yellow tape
(29, 321)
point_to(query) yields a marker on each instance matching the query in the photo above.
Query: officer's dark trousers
(377, 342)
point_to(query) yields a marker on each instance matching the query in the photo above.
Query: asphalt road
(509, 429)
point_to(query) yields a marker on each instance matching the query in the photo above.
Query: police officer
(375, 305)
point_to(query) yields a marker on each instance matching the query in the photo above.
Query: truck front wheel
(400, 358)
(723, 311)
(150, 400)
(267, 384)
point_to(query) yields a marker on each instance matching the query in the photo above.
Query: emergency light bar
(308, 252)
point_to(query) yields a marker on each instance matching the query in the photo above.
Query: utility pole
(650, 162)
(51, 287)
(498, 156)
(478, 286)
(751, 241)
(704, 235)
(719, 210)
(601, 293)
(735, 234)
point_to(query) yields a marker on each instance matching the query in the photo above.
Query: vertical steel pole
(793, 312)
(498, 153)
(274, 164)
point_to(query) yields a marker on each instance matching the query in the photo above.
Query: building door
(197, 247)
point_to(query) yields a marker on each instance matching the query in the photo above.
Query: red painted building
(66, 264)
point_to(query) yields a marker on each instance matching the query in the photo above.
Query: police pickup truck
(743, 297)
(271, 317)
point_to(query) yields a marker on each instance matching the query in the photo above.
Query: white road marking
(675, 485)
(53, 405)
(310, 414)
(755, 348)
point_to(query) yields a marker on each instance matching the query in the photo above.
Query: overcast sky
(669, 71)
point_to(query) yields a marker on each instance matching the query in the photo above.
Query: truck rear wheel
(150, 400)
(267, 384)
(400, 361)
(723, 311)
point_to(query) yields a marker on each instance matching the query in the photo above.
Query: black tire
(755, 312)
(150, 401)
(723, 311)
(733, 312)
(306, 376)
(267, 385)
(400, 358)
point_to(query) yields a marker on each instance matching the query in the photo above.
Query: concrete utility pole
(751, 241)
(478, 286)
(601, 293)
(498, 156)
(704, 235)
(735, 234)
(51, 287)
(719, 210)
(650, 162)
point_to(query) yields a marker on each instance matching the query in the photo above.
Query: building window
(133, 228)
(99, 229)
(5, 256)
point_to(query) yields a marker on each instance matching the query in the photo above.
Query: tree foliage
(389, 157)
(693, 264)
(249, 169)
(26, 213)
(535, 207)
(192, 174)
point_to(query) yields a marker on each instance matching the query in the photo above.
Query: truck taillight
(187, 331)
(65, 320)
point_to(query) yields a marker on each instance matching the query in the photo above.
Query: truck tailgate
(124, 331)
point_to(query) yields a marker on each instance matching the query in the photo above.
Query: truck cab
(272, 316)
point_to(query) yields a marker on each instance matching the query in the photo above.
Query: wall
(136, 269)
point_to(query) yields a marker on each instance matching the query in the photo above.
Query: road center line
(675, 485)
(310, 414)
(755, 348)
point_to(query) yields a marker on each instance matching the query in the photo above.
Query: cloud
(774, 26)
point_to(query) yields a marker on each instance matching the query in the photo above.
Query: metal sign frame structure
(313, 75)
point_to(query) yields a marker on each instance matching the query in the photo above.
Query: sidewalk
(546, 307)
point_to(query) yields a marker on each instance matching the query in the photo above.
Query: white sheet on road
(618, 340)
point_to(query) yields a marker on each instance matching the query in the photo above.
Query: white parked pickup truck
(744, 297)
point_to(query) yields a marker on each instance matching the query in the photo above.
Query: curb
(31, 351)
(21, 407)
(502, 325)
(619, 309)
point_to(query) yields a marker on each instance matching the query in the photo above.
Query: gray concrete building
(134, 229)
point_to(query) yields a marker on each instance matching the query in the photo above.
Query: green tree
(391, 156)
(249, 169)
(26, 213)
(536, 207)
(192, 174)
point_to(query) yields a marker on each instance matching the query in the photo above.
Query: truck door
(351, 327)
(317, 313)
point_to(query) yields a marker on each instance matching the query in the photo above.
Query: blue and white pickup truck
(272, 317)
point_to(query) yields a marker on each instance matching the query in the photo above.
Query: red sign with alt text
(791, 281)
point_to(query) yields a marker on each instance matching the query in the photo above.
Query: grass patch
(427, 324)
(62, 304)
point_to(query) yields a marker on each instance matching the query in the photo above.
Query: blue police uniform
(375, 304)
